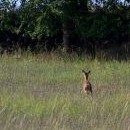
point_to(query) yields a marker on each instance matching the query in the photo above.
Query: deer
(87, 87)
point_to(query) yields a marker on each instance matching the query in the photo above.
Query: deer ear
(83, 71)
(89, 72)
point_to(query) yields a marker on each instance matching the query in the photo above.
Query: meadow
(42, 92)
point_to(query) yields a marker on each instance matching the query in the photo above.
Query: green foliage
(43, 20)
(47, 23)
(102, 25)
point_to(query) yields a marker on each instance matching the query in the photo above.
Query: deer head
(86, 74)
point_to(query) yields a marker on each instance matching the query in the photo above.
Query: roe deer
(87, 88)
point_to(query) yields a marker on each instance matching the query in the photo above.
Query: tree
(75, 23)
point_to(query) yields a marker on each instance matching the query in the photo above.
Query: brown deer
(87, 88)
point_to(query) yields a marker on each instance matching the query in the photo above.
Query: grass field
(43, 93)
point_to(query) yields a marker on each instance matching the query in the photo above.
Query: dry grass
(43, 93)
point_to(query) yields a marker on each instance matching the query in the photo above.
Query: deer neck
(85, 79)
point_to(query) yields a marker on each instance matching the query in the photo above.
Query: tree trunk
(68, 29)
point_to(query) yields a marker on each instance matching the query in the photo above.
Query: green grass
(43, 93)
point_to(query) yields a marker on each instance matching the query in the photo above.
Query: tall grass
(43, 93)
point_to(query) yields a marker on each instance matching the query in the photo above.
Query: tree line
(81, 26)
